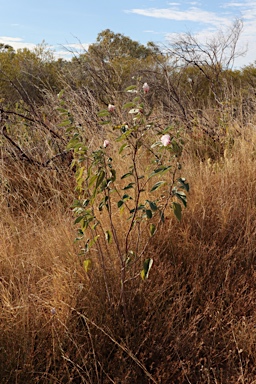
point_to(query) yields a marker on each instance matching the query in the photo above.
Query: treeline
(192, 85)
(185, 77)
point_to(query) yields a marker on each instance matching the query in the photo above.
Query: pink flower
(111, 108)
(166, 140)
(145, 87)
(106, 143)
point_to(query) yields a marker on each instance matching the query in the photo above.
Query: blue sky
(68, 23)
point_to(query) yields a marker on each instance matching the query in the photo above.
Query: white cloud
(153, 32)
(203, 35)
(236, 4)
(78, 47)
(193, 14)
(173, 4)
(197, 16)
(16, 42)
(231, 5)
(62, 54)
(68, 51)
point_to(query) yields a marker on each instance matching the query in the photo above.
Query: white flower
(166, 140)
(106, 143)
(111, 108)
(145, 87)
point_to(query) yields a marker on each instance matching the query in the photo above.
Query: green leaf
(130, 88)
(134, 111)
(80, 232)
(93, 241)
(126, 175)
(177, 210)
(78, 219)
(103, 203)
(125, 134)
(120, 203)
(79, 174)
(60, 94)
(152, 205)
(142, 274)
(87, 265)
(65, 123)
(122, 148)
(76, 203)
(103, 113)
(152, 229)
(78, 210)
(160, 170)
(129, 105)
(146, 268)
(181, 196)
(167, 130)
(126, 197)
(184, 184)
(108, 236)
(183, 199)
(85, 202)
(74, 141)
(113, 175)
(129, 186)
(162, 216)
(157, 185)
(63, 111)
(124, 128)
(92, 180)
(149, 213)
(100, 178)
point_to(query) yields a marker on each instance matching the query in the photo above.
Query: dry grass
(193, 321)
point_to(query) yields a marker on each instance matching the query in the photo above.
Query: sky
(66, 25)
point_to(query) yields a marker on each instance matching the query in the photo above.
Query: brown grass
(193, 321)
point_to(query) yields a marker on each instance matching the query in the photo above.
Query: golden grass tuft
(192, 321)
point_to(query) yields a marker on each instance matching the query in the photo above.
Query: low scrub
(191, 320)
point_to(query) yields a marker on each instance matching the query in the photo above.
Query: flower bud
(145, 87)
(166, 140)
(111, 108)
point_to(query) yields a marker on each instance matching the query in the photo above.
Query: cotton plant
(142, 197)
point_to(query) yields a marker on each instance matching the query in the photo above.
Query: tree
(25, 74)
(6, 48)
(196, 69)
(109, 65)
(110, 45)
(216, 53)
(211, 56)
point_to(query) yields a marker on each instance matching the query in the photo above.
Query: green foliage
(146, 268)
(130, 195)
(25, 75)
(110, 45)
